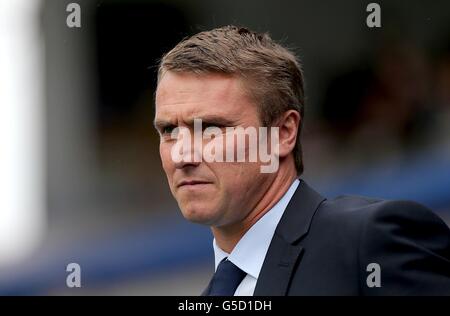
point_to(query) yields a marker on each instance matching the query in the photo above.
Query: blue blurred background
(377, 123)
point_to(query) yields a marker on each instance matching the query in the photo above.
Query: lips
(192, 183)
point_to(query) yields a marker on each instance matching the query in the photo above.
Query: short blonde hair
(271, 72)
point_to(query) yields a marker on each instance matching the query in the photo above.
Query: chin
(199, 214)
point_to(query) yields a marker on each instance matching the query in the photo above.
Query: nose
(185, 164)
(187, 151)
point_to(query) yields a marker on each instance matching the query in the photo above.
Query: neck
(228, 236)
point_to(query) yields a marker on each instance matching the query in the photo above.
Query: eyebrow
(160, 124)
(206, 119)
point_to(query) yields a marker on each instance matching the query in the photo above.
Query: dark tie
(226, 279)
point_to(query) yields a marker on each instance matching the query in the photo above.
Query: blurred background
(81, 179)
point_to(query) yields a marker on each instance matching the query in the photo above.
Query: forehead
(191, 95)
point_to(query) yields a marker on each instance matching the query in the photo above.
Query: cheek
(166, 160)
(236, 178)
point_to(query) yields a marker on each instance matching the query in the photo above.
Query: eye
(167, 129)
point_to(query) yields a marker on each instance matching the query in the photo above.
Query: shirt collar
(250, 252)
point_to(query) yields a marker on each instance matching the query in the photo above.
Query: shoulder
(407, 240)
(371, 225)
(362, 212)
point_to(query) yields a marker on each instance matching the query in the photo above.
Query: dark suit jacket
(323, 247)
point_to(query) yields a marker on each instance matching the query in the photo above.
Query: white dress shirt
(250, 252)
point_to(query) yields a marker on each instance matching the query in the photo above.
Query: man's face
(214, 193)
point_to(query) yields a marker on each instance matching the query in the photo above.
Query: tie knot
(226, 279)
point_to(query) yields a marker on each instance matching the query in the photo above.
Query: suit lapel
(285, 250)
(206, 291)
(275, 275)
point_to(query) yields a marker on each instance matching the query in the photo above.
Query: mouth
(192, 183)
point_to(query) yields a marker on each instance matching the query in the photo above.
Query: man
(273, 234)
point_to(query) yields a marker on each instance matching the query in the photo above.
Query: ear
(288, 128)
